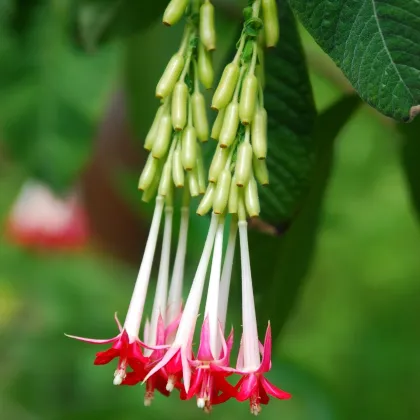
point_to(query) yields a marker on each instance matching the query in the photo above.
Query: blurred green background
(349, 349)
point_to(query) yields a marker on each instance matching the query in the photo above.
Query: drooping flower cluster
(164, 357)
(40, 219)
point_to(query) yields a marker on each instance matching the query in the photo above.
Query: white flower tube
(135, 309)
(159, 304)
(227, 274)
(175, 290)
(249, 320)
(211, 310)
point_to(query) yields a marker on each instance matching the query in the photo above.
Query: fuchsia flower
(42, 220)
(253, 386)
(165, 359)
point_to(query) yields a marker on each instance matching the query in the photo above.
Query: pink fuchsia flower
(208, 383)
(176, 359)
(253, 386)
(126, 345)
(128, 353)
(42, 220)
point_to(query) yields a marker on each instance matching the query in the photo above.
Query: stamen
(255, 405)
(119, 376)
(171, 383)
(201, 403)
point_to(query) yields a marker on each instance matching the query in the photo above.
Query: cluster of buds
(241, 126)
(164, 358)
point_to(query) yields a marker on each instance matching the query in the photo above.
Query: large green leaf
(280, 263)
(51, 97)
(100, 20)
(291, 115)
(375, 43)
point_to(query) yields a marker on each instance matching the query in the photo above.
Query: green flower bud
(201, 171)
(177, 169)
(259, 133)
(193, 183)
(233, 196)
(243, 164)
(221, 194)
(271, 22)
(189, 148)
(207, 201)
(248, 98)
(166, 179)
(152, 134)
(148, 173)
(205, 67)
(170, 76)
(150, 192)
(199, 115)
(174, 11)
(226, 87)
(218, 163)
(252, 202)
(207, 28)
(218, 124)
(179, 105)
(230, 125)
(260, 171)
(164, 135)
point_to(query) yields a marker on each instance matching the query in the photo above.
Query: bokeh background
(349, 348)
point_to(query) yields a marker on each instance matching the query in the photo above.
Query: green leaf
(101, 20)
(410, 153)
(375, 43)
(291, 115)
(51, 98)
(280, 263)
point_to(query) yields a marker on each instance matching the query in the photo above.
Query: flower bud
(260, 170)
(226, 87)
(174, 11)
(152, 134)
(233, 196)
(221, 194)
(248, 98)
(218, 163)
(205, 67)
(243, 164)
(179, 105)
(193, 183)
(252, 202)
(199, 115)
(218, 124)
(164, 135)
(259, 133)
(230, 125)
(207, 28)
(166, 179)
(170, 76)
(201, 171)
(148, 173)
(271, 22)
(150, 192)
(207, 200)
(189, 148)
(177, 169)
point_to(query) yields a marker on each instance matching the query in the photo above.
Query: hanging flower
(41, 219)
